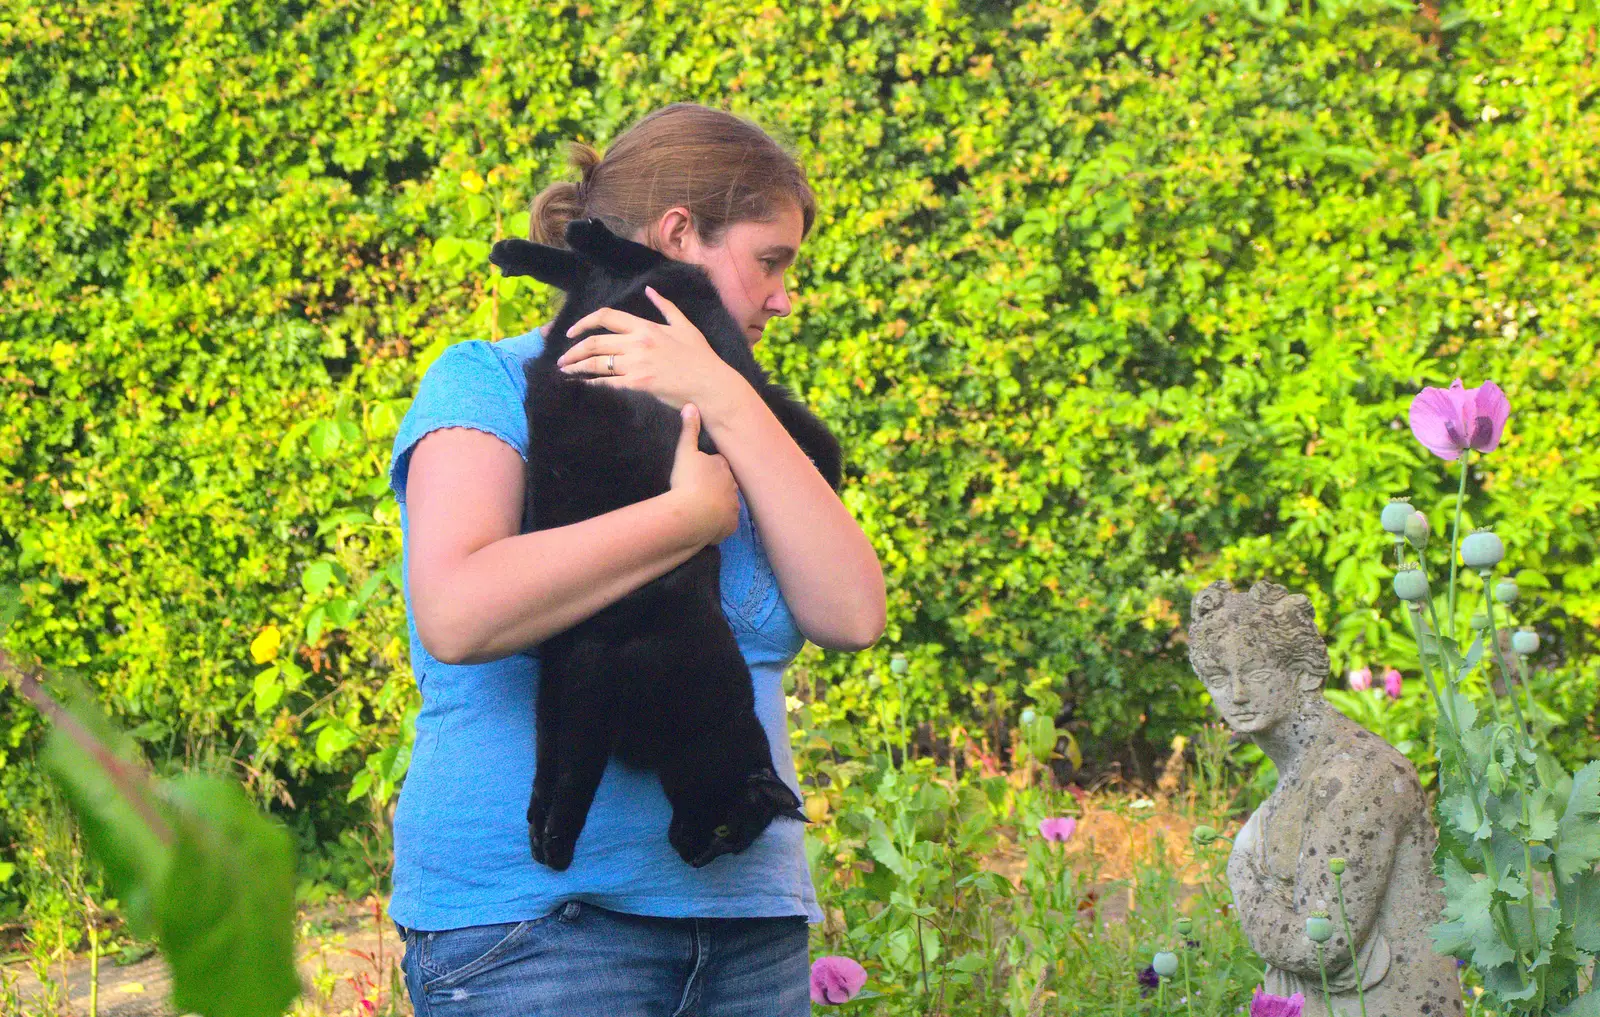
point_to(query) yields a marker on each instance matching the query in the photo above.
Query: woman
(628, 929)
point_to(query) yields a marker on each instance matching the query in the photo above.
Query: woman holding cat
(628, 929)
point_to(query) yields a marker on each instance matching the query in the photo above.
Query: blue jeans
(581, 960)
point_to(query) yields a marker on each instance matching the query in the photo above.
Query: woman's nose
(779, 303)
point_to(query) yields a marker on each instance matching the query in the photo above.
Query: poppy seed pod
(1028, 717)
(898, 664)
(1184, 925)
(1482, 550)
(1319, 928)
(1165, 963)
(1336, 866)
(1410, 585)
(1525, 641)
(1505, 591)
(1394, 518)
(1480, 621)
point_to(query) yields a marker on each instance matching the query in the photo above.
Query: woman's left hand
(672, 362)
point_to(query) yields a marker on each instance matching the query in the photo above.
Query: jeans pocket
(447, 959)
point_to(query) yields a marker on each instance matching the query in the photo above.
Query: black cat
(656, 679)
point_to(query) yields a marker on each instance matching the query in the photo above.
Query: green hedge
(1105, 299)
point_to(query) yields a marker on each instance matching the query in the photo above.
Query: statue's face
(1252, 692)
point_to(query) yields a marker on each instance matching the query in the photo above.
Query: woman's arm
(827, 569)
(825, 566)
(481, 590)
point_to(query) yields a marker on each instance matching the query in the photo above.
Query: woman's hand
(672, 362)
(705, 484)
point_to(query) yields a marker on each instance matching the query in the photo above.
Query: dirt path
(336, 950)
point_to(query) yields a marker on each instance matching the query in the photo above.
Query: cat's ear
(547, 264)
(591, 239)
(775, 794)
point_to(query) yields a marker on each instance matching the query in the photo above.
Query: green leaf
(227, 909)
(117, 832)
(334, 739)
(268, 690)
(1464, 816)
(316, 577)
(314, 623)
(1469, 931)
(1542, 815)
(1577, 841)
(1585, 898)
(359, 786)
(884, 851)
(1586, 1005)
(323, 438)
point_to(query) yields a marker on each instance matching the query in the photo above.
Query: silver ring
(611, 363)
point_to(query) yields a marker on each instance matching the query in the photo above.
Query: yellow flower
(816, 808)
(265, 645)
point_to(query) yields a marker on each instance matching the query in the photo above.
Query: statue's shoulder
(1364, 763)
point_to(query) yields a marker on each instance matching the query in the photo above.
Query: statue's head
(1259, 653)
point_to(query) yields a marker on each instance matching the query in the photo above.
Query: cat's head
(758, 801)
(593, 255)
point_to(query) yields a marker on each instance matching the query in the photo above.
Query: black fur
(656, 679)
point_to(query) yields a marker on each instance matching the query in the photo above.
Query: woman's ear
(1310, 682)
(675, 233)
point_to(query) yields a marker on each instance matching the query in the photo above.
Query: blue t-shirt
(460, 832)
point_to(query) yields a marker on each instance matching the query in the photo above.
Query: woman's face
(748, 265)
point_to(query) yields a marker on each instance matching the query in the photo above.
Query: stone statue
(1342, 792)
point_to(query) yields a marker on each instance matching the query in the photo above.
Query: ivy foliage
(1106, 300)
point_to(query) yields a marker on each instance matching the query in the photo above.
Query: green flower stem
(1188, 993)
(1455, 540)
(1327, 1000)
(1350, 940)
(1445, 713)
(1525, 676)
(1505, 670)
(1527, 898)
(1502, 919)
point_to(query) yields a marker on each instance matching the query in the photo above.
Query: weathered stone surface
(1342, 792)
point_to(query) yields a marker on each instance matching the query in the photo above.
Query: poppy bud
(1165, 963)
(1417, 530)
(1319, 928)
(1410, 585)
(1394, 518)
(1482, 550)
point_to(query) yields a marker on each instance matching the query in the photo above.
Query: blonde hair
(722, 168)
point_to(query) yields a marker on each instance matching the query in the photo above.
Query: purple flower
(1361, 680)
(1058, 829)
(836, 980)
(1392, 683)
(1450, 420)
(1264, 1004)
(1148, 980)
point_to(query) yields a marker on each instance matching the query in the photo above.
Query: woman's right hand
(704, 483)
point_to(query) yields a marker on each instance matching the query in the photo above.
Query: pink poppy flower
(1392, 683)
(1058, 829)
(1451, 420)
(836, 980)
(1264, 1004)
(1361, 680)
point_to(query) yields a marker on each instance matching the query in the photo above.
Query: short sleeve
(471, 385)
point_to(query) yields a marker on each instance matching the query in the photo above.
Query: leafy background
(1106, 300)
